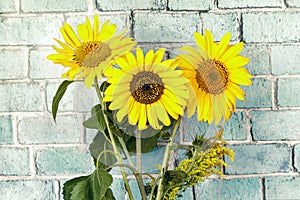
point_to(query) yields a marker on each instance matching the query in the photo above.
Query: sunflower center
(92, 53)
(146, 87)
(212, 76)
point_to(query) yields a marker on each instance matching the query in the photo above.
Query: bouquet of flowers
(142, 101)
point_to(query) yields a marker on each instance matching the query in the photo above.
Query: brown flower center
(212, 76)
(146, 87)
(90, 54)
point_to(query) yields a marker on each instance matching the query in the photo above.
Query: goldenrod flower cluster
(202, 164)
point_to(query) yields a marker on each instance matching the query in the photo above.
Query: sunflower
(93, 52)
(215, 72)
(147, 89)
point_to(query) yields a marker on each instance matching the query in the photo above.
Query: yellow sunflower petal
(83, 32)
(231, 52)
(133, 116)
(143, 117)
(223, 45)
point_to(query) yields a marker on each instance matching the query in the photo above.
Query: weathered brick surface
(282, 60)
(165, 27)
(29, 190)
(282, 187)
(42, 68)
(257, 159)
(240, 188)
(297, 156)
(293, 3)
(76, 98)
(259, 59)
(271, 27)
(219, 24)
(53, 5)
(12, 64)
(248, 3)
(263, 132)
(21, 97)
(14, 161)
(279, 129)
(288, 92)
(68, 129)
(63, 160)
(29, 30)
(189, 5)
(7, 6)
(130, 5)
(6, 131)
(258, 95)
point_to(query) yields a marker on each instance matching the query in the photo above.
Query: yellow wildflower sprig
(202, 164)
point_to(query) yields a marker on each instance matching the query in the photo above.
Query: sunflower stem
(113, 142)
(139, 177)
(165, 162)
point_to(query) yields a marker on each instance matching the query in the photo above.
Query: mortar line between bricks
(15, 129)
(32, 154)
(56, 189)
(262, 188)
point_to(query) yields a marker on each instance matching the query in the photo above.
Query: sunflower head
(91, 52)
(147, 89)
(215, 71)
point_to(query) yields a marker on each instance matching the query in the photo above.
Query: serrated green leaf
(104, 180)
(57, 97)
(96, 121)
(69, 186)
(100, 144)
(92, 187)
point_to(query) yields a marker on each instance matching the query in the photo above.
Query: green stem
(139, 177)
(113, 142)
(165, 163)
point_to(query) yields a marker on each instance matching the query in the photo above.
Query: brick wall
(37, 156)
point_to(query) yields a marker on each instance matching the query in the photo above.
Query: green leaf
(148, 144)
(100, 144)
(108, 195)
(69, 186)
(96, 121)
(104, 180)
(59, 94)
(92, 187)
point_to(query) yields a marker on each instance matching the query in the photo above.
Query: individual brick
(6, 131)
(189, 5)
(21, 97)
(38, 30)
(76, 98)
(63, 160)
(53, 6)
(258, 95)
(149, 161)
(236, 128)
(281, 128)
(42, 129)
(248, 3)
(7, 6)
(42, 68)
(239, 188)
(12, 64)
(29, 190)
(283, 60)
(293, 3)
(288, 92)
(258, 159)
(297, 157)
(271, 26)
(219, 24)
(118, 188)
(259, 59)
(284, 187)
(165, 27)
(130, 5)
(14, 161)
(121, 20)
